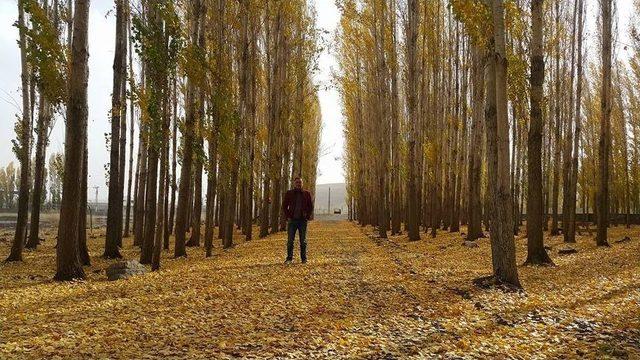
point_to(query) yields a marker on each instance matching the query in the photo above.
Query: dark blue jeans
(301, 227)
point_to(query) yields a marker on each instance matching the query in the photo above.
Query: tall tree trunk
(114, 236)
(25, 139)
(212, 183)
(45, 113)
(570, 232)
(131, 129)
(232, 196)
(157, 86)
(558, 132)
(161, 228)
(274, 76)
(412, 79)
(568, 134)
(44, 120)
(187, 153)
(196, 218)
(67, 260)
(148, 236)
(160, 218)
(174, 156)
(474, 210)
(123, 135)
(284, 181)
(252, 88)
(396, 197)
(83, 251)
(460, 167)
(604, 143)
(502, 242)
(536, 253)
(123, 162)
(139, 207)
(277, 190)
(382, 116)
(167, 187)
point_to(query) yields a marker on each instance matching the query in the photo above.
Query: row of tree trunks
(222, 107)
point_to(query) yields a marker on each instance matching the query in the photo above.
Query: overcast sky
(102, 33)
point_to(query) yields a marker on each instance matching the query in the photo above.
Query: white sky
(330, 168)
(101, 42)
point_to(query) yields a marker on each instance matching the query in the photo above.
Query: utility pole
(96, 201)
(95, 205)
(329, 202)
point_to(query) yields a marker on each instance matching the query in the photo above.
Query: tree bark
(474, 210)
(187, 154)
(604, 143)
(67, 260)
(25, 139)
(536, 253)
(253, 63)
(114, 236)
(502, 242)
(174, 157)
(558, 133)
(131, 129)
(212, 183)
(396, 197)
(161, 229)
(568, 134)
(123, 133)
(139, 207)
(412, 79)
(196, 218)
(44, 120)
(83, 250)
(157, 86)
(570, 232)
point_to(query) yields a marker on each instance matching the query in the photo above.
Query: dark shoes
(289, 262)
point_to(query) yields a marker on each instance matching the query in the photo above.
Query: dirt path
(357, 297)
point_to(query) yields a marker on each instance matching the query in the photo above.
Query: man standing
(298, 206)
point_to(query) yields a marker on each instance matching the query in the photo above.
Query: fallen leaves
(358, 297)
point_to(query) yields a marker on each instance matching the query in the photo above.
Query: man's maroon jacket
(289, 203)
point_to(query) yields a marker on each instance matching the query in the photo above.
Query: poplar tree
(536, 253)
(21, 144)
(68, 266)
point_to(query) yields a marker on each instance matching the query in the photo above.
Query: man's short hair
(297, 178)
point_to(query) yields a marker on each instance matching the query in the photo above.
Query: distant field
(47, 219)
